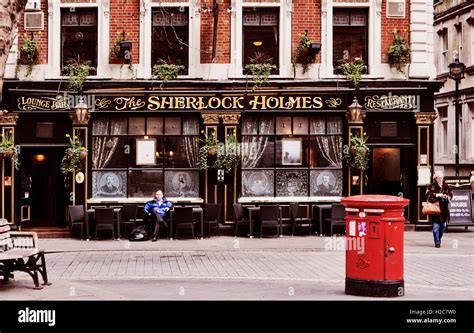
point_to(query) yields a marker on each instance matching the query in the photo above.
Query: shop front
(292, 139)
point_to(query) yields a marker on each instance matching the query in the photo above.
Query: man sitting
(158, 206)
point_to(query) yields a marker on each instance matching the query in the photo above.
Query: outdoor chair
(104, 220)
(183, 218)
(337, 216)
(239, 217)
(77, 218)
(270, 217)
(300, 217)
(212, 215)
(129, 217)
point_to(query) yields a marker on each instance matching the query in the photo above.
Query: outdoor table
(196, 210)
(90, 214)
(256, 211)
(322, 208)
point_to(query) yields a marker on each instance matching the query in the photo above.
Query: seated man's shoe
(154, 239)
(438, 245)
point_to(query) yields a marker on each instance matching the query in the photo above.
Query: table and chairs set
(117, 222)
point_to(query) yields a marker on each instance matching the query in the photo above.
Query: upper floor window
(444, 50)
(350, 34)
(79, 37)
(459, 40)
(170, 36)
(260, 36)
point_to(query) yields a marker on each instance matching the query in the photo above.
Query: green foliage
(303, 54)
(260, 68)
(30, 51)
(399, 52)
(353, 70)
(218, 155)
(72, 161)
(357, 154)
(77, 71)
(166, 70)
(7, 146)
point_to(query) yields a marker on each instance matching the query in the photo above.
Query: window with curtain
(291, 156)
(175, 144)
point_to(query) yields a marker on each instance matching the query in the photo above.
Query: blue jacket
(153, 205)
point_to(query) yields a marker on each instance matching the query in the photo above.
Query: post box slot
(374, 228)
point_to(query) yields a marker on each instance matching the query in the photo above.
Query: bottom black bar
(375, 288)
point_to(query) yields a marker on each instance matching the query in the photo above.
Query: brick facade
(302, 21)
(40, 36)
(125, 22)
(388, 26)
(223, 33)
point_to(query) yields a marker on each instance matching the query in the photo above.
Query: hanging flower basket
(73, 156)
(83, 155)
(9, 153)
(357, 156)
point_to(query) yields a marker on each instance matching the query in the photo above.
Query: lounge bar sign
(214, 102)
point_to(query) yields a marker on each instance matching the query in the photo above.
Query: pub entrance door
(43, 196)
(392, 171)
(221, 184)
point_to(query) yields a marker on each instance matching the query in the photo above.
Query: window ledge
(142, 200)
(288, 199)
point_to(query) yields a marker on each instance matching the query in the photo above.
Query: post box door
(393, 250)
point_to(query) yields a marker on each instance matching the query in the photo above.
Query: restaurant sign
(213, 102)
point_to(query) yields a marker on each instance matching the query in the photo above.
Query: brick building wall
(303, 20)
(223, 33)
(125, 22)
(41, 36)
(388, 26)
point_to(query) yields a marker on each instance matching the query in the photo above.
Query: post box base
(375, 288)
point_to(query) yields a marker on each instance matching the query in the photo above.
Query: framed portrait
(109, 184)
(146, 149)
(291, 151)
(184, 184)
(326, 182)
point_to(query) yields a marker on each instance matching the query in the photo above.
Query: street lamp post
(456, 72)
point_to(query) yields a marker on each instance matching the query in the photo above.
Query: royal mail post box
(374, 245)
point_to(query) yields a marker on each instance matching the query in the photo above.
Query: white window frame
(442, 138)
(146, 8)
(54, 37)
(470, 107)
(459, 36)
(471, 28)
(403, 2)
(284, 43)
(444, 51)
(374, 40)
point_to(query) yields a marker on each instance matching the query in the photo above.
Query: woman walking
(440, 192)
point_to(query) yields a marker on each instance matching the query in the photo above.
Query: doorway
(391, 172)
(42, 190)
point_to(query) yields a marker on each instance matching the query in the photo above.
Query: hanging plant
(399, 52)
(77, 71)
(217, 155)
(114, 53)
(352, 70)
(9, 150)
(260, 67)
(29, 53)
(357, 154)
(166, 70)
(74, 156)
(304, 55)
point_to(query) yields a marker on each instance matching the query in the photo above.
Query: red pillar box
(374, 240)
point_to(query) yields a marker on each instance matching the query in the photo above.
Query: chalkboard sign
(461, 208)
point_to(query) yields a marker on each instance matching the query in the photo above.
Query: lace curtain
(253, 148)
(331, 149)
(104, 147)
(191, 146)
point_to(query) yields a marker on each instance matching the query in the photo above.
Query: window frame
(236, 69)
(375, 65)
(194, 18)
(54, 38)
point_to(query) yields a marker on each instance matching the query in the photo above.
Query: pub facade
(144, 134)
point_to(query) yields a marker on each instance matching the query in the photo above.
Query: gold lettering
(272, 102)
(211, 104)
(224, 103)
(237, 102)
(255, 103)
(306, 102)
(317, 102)
(153, 103)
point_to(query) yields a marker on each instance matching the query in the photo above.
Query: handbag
(431, 208)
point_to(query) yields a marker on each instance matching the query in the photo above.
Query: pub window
(170, 37)
(260, 36)
(79, 37)
(291, 156)
(350, 35)
(173, 143)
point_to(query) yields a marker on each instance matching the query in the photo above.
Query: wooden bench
(20, 252)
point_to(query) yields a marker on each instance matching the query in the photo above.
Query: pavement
(228, 268)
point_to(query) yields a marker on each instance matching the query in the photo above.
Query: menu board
(461, 207)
